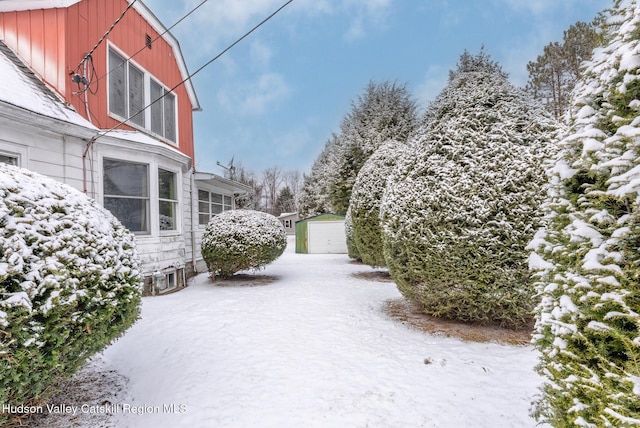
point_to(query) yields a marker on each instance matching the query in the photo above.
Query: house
(108, 108)
(288, 221)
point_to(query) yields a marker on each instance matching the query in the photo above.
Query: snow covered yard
(313, 348)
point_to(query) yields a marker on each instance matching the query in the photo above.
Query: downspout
(194, 221)
(84, 163)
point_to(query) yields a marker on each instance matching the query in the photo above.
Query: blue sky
(276, 98)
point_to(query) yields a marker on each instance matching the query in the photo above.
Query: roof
(224, 183)
(141, 8)
(14, 5)
(20, 87)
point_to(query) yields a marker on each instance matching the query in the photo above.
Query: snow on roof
(20, 87)
(141, 137)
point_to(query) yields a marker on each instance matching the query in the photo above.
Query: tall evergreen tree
(587, 256)
(553, 74)
(386, 111)
(463, 202)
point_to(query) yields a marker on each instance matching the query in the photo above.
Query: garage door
(326, 237)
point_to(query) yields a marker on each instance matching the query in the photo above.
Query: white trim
(16, 5)
(153, 20)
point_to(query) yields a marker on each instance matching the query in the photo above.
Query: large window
(210, 204)
(126, 193)
(167, 199)
(128, 96)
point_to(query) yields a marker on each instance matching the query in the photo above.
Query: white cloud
(260, 54)
(434, 81)
(251, 98)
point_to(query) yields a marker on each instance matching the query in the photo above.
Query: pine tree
(386, 111)
(553, 74)
(463, 202)
(586, 257)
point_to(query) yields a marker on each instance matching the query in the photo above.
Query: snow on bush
(242, 239)
(463, 202)
(366, 198)
(352, 251)
(70, 283)
(587, 256)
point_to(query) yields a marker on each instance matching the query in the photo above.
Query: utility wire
(104, 36)
(158, 37)
(103, 133)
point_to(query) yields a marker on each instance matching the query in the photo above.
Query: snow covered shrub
(70, 283)
(587, 257)
(366, 198)
(352, 251)
(463, 202)
(242, 239)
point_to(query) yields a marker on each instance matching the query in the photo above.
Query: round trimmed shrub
(352, 251)
(70, 283)
(240, 240)
(366, 198)
(464, 202)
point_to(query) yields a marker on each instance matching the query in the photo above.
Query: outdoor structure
(288, 221)
(321, 234)
(111, 114)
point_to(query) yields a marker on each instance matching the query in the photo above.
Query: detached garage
(321, 234)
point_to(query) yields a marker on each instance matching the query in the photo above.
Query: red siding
(38, 37)
(54, 42)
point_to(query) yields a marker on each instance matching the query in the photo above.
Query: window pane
(216, 198)
(11, 160)
(167, 185)
(203, 207)
(167, 215)
(117, 99)
(156, 108)
(203, 195)
(125, 178)
(136, 95)
(203, 219)
(132, 213)
(170, 117)
(216, 209)
(227, 201)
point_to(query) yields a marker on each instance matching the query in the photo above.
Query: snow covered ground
(311, 349)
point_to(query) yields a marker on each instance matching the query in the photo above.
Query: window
(163, 111)
(126, 193)
(128, 96)
(167, 199)
(210, 204)
(11, 160)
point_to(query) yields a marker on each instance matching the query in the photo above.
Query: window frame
(169, 110)
(175, 203)
(146, 199)
(211, 203)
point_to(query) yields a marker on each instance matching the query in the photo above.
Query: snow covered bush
(352, 251)
(464, 201)
(242, 239)
(70, 283)
(366, 198)
(587, 257)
